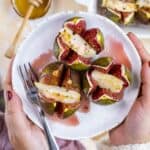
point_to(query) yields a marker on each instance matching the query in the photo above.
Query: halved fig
(95, 38)
(75, 58)
(113, 15)
(52, 73)
(120, 6)
(128, 17)
(143, 15)
(103, 64)
(76, 43)
(64, 111)
(122, 72)
(62, 97)
(106, 81)
(49, 108)
(58, 94)
(119, 11)
(105, 97)
(71, 80)
(76, 24)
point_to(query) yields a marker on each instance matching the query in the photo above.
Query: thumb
(146, 84)
(145, 56)
(12, 101)
(14, 115)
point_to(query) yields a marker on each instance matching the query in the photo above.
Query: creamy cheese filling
(107, 81)
(77, 43)
(59, 94)
(120, 5)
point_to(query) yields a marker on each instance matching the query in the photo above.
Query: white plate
(141, 30)
(100, 118)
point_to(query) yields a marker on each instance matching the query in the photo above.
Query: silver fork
(28, 77)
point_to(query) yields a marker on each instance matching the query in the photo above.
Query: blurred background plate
(143, 31)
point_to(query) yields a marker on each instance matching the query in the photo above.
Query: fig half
(59, 90)
(103, 64)
(95, 38)
(106, 81)
(76, 24)
(51, 74)
(73, 50)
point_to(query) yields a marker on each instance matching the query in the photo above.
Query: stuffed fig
(106, 81)
(59, 90)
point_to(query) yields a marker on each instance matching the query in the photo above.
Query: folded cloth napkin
(5, 144)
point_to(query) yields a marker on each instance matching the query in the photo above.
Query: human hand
(23, 134)
(136, 127)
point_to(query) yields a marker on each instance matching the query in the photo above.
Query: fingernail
(9, 95)
(149, 63)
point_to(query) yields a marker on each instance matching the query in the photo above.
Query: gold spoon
(12, 49)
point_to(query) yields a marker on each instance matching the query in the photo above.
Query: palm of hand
(136, 127)
(26, 131)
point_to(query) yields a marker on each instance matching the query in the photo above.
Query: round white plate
(100, 118)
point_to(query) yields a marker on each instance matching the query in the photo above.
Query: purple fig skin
(95, 38)
(118, 69)
(68, 56)
(101, 95)
(76, 24)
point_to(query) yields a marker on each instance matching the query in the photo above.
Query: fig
(105, 97)
(49, 108)
(95, 39)
(74, 55)
(122, 72)
(57, 93)
(59, 90)
(128, 17)
(120, 6)
(76, 24)
(52, 73)
(71, 80)
(76, 43)
(119, 11)
(106, 81)
(103, 64)
(143, 15)
(64, 111)
(113, 15)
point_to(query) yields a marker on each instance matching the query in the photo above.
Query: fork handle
(49, 136)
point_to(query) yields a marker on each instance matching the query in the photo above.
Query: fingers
(145, 56)
(14, 115)
(146, 83)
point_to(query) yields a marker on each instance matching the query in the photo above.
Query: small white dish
(100, 118)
